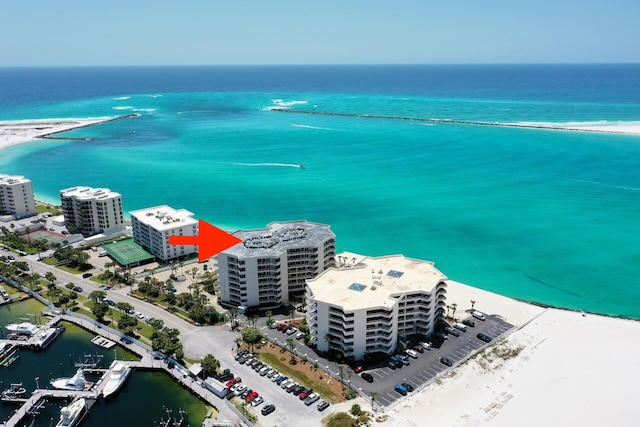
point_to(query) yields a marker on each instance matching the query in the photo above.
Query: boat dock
(39, 397)
(39, 340)
(103, 342)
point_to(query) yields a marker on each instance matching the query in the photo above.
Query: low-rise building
(16, 197)
(364, 306)
(151, 228)
(272, 263)
(91, 211)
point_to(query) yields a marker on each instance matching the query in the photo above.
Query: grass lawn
(302, 372)
(53, 261)
(40, 208)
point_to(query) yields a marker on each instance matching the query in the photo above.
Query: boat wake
(273, 165)
(122, 98)
(309, 127)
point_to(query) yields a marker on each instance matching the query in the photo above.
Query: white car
(292, 331)
(312, 398)
(257, 401)
(240, 390)
(412, 353)
(285, 383)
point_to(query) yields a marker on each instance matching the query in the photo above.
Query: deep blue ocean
(548, 216)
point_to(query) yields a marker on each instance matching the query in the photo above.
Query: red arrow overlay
(210, 240)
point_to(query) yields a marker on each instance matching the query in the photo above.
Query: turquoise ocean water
(543, 215)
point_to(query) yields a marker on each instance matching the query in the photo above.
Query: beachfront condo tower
(153, 226)
(16, 197)
(273, 264)
(364, 304)
(90, 211)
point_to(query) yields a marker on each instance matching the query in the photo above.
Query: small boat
(24, 328)
(46, 337)
(302, 166)
(76, 382)
(119, 373)
(72, 414)
(13, 392)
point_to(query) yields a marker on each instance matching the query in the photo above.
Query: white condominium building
(16, 197)
(153, 226)
(274, 262)
(92, 210)
(363, 308)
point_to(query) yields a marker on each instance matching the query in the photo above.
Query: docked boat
(14, 392)
(47, 336)
(72, 414)
(76, 382)
(24, 328)
(119, 374)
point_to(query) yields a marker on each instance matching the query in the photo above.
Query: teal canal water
(142, 401)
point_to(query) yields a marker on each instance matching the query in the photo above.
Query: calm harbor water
(142, 401)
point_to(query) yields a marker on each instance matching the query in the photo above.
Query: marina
(37, 406)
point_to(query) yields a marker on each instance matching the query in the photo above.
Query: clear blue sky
(162, 32)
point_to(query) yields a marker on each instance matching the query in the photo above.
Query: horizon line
(320, 65)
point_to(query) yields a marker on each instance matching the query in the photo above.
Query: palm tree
(269, 314)
(34, 280)
(40, 245)
(473, 302)
(51, 278)
(341, 374)
(327, 339)
(54, 293)
(454, 306)
(373, 398)
(210, 364)
(448, 308)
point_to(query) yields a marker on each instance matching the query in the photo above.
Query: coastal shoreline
(545, 368)
(16, 132)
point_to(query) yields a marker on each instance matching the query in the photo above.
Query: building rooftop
(12, 180)
(373, 281)
(89, 193)
(164, 217)
(277, 237)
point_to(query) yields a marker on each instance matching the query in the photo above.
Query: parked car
(391, 364)
(425, 345)
(281, 326)
(358, 368)
(323, 405)
(478, 315)
(484, 337)
(297, 390)
(291, 330)
(418, 348)
(77, 289)
(280, 379)
(263, 371)
(401, 389)
(246, 393)
(257, 401)
(367, 377)
(86, 275)
(411, 353)
(469, 322)
(312, 398)
(299, 335)
(404, 359)
(240, 354)
(251, 396)
(453, 331)
(446, 361)
(305, 393)
(408, 386)
(460, 327)
(268, 409)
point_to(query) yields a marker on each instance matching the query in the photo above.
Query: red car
(233, 381)
(251, 396)
(358, 369)
(280, 326)
(306, 392)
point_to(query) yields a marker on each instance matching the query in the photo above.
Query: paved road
(119, 295)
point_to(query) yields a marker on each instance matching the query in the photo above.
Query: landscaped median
(303, 372)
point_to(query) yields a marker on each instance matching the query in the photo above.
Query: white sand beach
(20, 131)
(560, 368)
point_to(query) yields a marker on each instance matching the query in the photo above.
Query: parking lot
(427, 366)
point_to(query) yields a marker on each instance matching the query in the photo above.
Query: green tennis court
(46, 235)
(127, 252)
